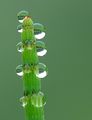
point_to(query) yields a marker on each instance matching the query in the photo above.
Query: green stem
(31, 83)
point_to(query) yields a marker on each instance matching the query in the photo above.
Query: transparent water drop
(41, 49)
(23, 100)
(40, 35)
(21, 15)
(21, 21)
(19, 70)
(27, 68)
(42, 52)
(39, 31)
(41, 70)
(29, 44)
(37, 100)
(20, 47)
(19, 28)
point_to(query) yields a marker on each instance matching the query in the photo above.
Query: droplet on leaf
(28, 44)
(21, 15)
(19, 28)
(19, 70)
(41, 49)
(41, 70)
(37, 100)
(20, 47)
(27, 68)
(23, 100)
(39, 31)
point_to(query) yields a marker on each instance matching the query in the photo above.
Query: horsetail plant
(31, 70)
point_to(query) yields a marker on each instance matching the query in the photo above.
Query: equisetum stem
(31, 70)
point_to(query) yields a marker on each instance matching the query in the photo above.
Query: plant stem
(32, 100)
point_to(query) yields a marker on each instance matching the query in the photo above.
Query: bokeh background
(68, 87)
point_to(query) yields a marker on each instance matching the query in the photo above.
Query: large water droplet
(41, 49)
(23, 100)
(42, 52)
(19, 28)
(40, 35)
(37, 100)
(41, 70)
(27, 68)
(29, 44)
(21, 15)
(39, 31)
(19, 70)
(20, 47)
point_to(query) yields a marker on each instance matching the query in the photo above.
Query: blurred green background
(68, 87)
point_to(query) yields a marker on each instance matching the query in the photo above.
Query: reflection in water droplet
(40, 35)
(21, 15)
(42, 53)
(28, 45)
(39, 31)
(23, 100)
(20, 47)
(41, 71)
(42, 75)
(37, 100)
(19, 70)
(19, 28)
(21, 21)
(41, 49)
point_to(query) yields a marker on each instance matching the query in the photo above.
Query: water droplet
(41, 70)
(19, 70)
(39, 31)
(21, 15)
(23, 100)
(37, 100)
(21, 21)
(40, 35)
(41, 49)
(29, 44)
(27, 68)
(20, 47)
(19, 28)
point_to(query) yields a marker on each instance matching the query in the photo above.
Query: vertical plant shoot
(31, 70)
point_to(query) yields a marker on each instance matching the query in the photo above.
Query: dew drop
(23, 100)
(41, 71)
(21, 21)
(19, 70)
(29, 44)
(41, 49)
(27, 68)
(39, 31)
(42, 53)
(37, 100)
(20, 47)
(40, 35)
(19, 28)
(21, 15)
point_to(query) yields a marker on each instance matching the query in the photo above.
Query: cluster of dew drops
(37, 99)
(39, 33)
